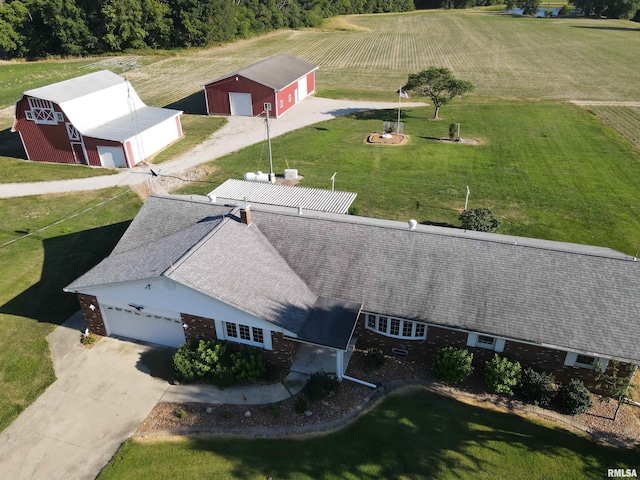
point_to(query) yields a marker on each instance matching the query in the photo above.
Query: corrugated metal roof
(285, 196)
(276, 72)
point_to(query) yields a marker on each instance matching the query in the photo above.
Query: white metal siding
(154, 139)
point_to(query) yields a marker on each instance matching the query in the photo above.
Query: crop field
(624, 120)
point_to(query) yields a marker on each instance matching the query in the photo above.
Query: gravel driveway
(238, 133)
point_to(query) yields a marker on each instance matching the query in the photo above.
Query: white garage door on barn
(240, 104)
(163, 328)
(111, 157)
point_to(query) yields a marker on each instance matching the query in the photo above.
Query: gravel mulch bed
(282, 418)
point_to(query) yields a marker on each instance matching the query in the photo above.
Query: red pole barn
(278, 82)
(96, 119)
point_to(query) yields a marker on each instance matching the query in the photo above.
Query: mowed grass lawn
(421, 435)
(33, 271)
(547, 170)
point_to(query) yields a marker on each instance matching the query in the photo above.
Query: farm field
(420, 436)
(624, 120)
(547, 169)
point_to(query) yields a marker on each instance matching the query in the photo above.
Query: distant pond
(518, 11)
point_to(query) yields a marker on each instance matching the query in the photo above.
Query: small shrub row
(501, 375)
(321, 385)
(210, 361)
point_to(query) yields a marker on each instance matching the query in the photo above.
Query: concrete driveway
(100, 397)
(238, 133)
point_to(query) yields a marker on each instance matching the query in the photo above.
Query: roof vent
(212, 198)
(412, 224)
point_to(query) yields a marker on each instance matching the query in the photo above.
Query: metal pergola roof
(284, 196)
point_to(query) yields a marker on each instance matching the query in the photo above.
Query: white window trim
(387, 333)
(59, 117)
(496, 346)
(28, 114)
(571, 360)
(237, 339)
(281, 103)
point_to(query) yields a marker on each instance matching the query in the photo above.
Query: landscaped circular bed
(387, 138)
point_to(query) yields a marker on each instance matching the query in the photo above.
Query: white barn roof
(97, 102)
(316, 199)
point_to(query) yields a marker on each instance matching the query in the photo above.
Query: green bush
(373, 359)
(537, 387)
(206, 361)
(302, 404)
(574, 397)
(501, 375)
(564, 11)
(479, 219)
(247, 364)
(321, 385)
(452, 364)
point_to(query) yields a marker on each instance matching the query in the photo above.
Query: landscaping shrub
(183, 363)
(247, 365)
(373, 359)
(574, 397)
(321, 385)
(302, 404)
(452, 364)
(206, 361)
(537, 387)
(479, 219)
(501, 375)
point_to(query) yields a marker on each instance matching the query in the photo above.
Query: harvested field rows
(624, 120)
(502, 55)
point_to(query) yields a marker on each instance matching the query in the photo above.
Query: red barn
(278, 82)
(97, 119)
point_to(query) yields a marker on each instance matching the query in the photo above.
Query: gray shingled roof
(275, 72)
(77, 87)
(161, 234)
(238, 266)
(551, 293)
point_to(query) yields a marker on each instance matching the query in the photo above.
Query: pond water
(518, 11)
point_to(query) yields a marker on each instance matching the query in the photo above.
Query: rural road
(238, 133)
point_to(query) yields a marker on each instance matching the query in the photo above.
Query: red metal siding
(284, 96)
(218, 94)
(44, 143)
(179, 125)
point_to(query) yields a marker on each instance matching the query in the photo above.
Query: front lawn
(547, 170)
(33, 271)
(419, 436)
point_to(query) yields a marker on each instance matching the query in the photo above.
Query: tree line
(624, 9)
(43, 28)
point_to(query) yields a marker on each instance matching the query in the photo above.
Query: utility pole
(333, 180)
(466, 202)
(272, 177)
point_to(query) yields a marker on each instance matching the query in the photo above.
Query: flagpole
(399, 104)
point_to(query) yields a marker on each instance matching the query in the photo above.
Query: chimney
(245, 215)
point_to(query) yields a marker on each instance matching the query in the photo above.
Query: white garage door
(147, 327)
(111, 157)
(302, 87)
(241, 104)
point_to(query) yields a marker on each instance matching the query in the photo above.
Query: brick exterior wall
(93, 317)
(422, 352)
(198, 328)
(284, 350)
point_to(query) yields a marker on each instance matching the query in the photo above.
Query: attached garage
(162, 328)
(278, 82)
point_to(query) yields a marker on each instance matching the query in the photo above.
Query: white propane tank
(256, 176)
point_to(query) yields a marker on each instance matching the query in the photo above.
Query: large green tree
(438, 84)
